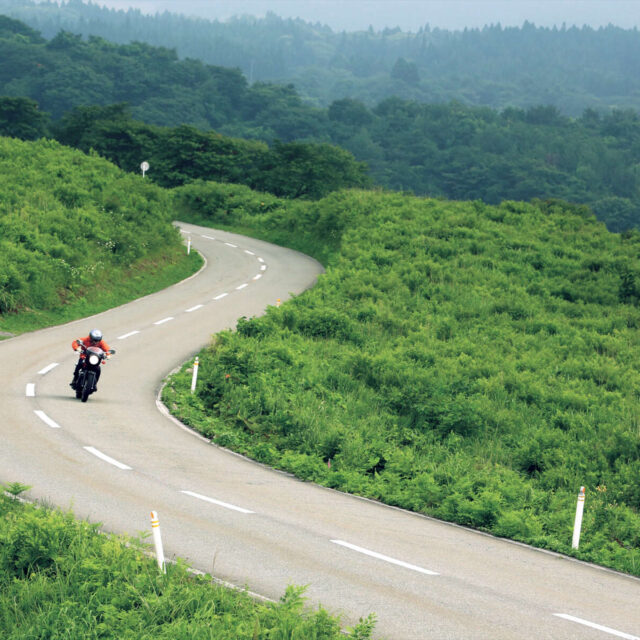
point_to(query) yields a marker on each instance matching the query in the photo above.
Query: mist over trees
(447, 150)
(571, 68)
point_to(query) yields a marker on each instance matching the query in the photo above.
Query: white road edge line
(30, 391)
(222, 295)
(164, 320)
(127, 335)
(380, 556)
(599, 627)
(226, 505)
(242, 286)
(198, 306)
(106, 458)
(53, 365)
(47, 420)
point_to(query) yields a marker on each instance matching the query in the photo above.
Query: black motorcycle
(89, 370)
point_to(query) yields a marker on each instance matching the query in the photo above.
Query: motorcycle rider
(94, 339)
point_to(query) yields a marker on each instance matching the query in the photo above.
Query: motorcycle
(89, 368)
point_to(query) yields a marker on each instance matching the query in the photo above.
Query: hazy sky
(410, 15)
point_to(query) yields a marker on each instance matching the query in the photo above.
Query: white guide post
(578, 523)
(194, 379)
(189, 245)
(157, 541)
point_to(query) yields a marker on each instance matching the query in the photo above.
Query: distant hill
(573, 69)
(444, 150)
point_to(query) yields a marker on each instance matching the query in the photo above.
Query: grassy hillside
(476, 363)
(59, 578)
(78, 235)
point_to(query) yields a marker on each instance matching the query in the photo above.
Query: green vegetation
(60, 578)
(471, 362)
(571, 68)
(78, 236)
(183, 154)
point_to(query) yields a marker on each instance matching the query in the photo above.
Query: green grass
(470, 362)
(122, 285)
(61, 578)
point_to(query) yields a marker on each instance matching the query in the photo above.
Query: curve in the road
(116, 458)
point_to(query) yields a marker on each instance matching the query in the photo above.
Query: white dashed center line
(127, 335)
(242, 286)
(47, 420)
(31, 390)
(226, 505)
(53, 365)
(599, 627)
(380, 556)
(222, 295)
(198, 306)
(257, 277)
(164, 320)
(106, 458)
(235, 246)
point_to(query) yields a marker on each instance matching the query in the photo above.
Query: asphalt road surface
(117, 458)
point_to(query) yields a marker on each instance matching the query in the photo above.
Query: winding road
(117, 457)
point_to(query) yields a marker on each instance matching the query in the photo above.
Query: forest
(571, 68)
(440, 150)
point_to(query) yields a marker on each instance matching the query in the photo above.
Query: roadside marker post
(578, 522)
(189, 246)
(157, 541)
(194, 379)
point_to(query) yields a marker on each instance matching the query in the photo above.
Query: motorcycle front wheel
(79, 385)
(87, 386)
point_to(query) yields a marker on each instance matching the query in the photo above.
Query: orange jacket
(87, 343)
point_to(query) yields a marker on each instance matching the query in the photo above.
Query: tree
(20, 118)
(350, 112)
(299, 170)
(405, 71)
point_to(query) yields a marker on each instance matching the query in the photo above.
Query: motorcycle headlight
(94, 359)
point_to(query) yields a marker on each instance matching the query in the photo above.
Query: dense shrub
(471, 362)
(69, 223)
(61, 578)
